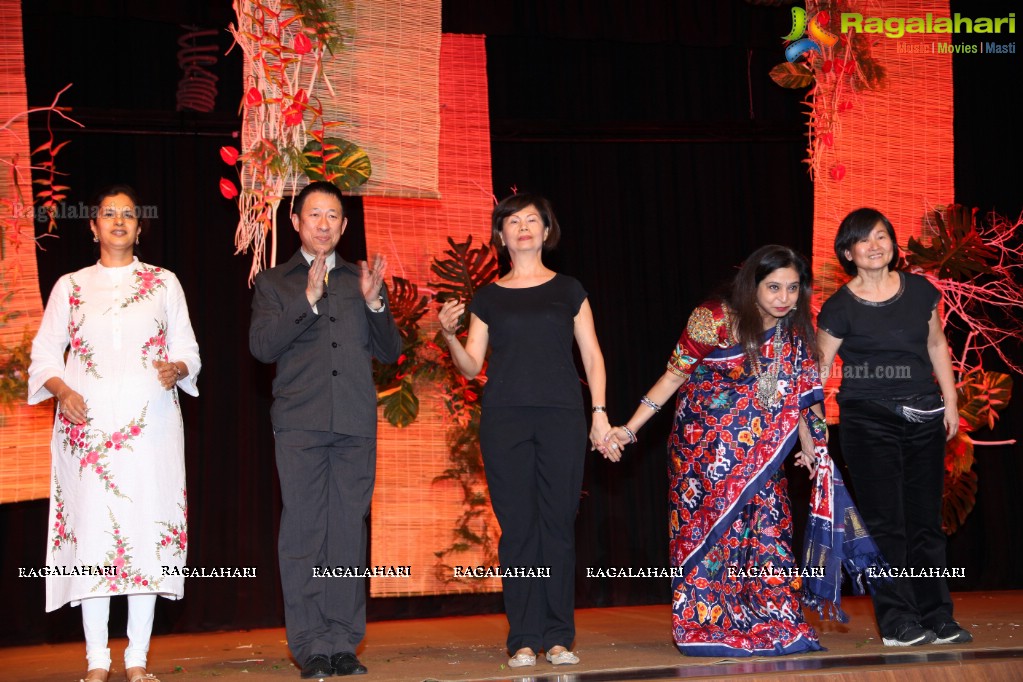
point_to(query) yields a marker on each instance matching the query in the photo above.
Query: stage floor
(622, 643)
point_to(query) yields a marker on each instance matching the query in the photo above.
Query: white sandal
(521, 660)
(563, 657)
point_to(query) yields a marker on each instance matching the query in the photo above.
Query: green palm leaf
(337, 161)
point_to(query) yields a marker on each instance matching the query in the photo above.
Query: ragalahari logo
(808, 34)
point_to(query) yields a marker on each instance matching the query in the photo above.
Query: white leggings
(96, 613)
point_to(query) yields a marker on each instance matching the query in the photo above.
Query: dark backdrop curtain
(668, 155)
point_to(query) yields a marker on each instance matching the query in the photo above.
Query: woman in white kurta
(118, 505)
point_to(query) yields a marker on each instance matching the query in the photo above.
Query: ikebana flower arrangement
(835, 66)
(978, 267)
(285, 137)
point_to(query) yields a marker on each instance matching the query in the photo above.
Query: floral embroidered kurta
(118, 504)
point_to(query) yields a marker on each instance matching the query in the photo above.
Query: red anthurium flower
(826, 66)
(253, 97)
(301, 97)
(827, 139)
(837, 172)
(302, 44)
(229, 155)
(228, 189)
(292, 115)
(823, 18)
(844, 105)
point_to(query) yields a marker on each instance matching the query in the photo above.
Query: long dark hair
(741, 296)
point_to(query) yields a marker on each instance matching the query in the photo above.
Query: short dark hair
(321, 186)
(113, 191)
(856, 226)
(514, 204)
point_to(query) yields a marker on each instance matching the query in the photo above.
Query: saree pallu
(741, 589)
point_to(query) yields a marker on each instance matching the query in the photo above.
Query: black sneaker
(952, 633)
(910, 634)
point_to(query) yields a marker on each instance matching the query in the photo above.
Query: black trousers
(897, 470)
(326, 487)
(534, 457)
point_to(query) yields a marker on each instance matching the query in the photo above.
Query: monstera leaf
(958, 500)
(956, 250)
(407, 305)
(463, 270)
(337, 161)
(981, 396)
(793, 75)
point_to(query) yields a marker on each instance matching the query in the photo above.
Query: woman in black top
(533, 426)
(885, 326)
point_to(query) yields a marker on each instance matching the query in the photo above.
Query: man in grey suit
(322, 320)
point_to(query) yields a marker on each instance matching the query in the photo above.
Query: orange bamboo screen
(24, 431)
(385, 89)
(896, 146)
(412, 516)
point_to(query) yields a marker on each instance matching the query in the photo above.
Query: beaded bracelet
(630, 434)
(650, 403)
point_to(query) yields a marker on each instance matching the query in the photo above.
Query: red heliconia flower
(292, 115)
(837, 172)
(253, 97)
(228, 189)
(302, 44)
(229, 155)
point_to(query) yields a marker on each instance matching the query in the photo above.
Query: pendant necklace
(767, 381)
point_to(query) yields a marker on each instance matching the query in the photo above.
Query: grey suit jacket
(324, 378)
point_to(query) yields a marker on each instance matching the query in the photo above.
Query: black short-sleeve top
(884, 344)
(531, 335)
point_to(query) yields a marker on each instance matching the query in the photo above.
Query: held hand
(371, 279)
(807, 461)
(314, 283)
(615, 441)
(448, 315)
(72, 406)
(167, 373)
(599, 428)
(951, 421)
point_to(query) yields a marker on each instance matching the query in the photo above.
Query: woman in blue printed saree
(749, 389)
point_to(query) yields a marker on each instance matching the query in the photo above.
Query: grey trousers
(326, 487)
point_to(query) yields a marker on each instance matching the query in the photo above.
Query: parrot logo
(808, 34)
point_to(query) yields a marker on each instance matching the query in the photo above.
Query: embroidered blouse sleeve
(706, 330)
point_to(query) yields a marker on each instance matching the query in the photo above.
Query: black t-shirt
(531, 335)
(884, 344)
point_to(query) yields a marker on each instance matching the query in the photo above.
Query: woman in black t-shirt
(895, 419)
(533, 426)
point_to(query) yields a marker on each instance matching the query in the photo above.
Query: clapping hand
(449, 315)
(372, 278)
